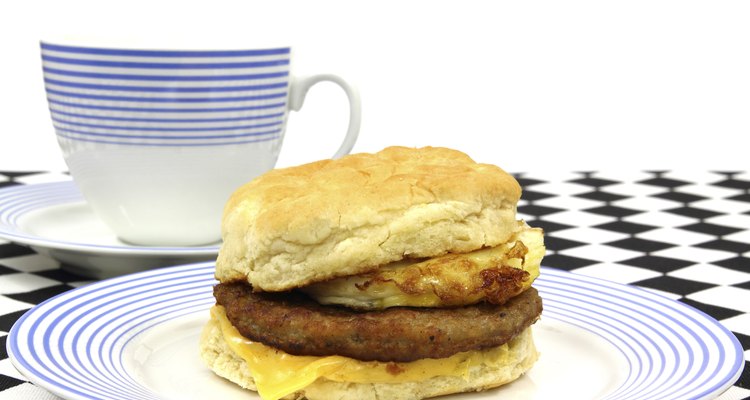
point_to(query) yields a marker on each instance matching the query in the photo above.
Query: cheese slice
(278, 374)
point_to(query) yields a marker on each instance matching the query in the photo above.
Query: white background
(565, 85)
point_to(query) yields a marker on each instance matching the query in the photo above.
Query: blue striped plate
(136, 337)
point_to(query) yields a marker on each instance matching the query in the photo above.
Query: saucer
(54, 220)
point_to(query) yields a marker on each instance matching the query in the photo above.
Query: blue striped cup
(157, 140)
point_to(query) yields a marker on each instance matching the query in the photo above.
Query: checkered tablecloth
(684, 234)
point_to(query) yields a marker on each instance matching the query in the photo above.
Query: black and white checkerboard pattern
(683, 234)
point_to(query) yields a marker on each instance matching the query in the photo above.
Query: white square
(647, 203)
(569, 203)
(738, 323)
(8, 305)
(660, 218)
(669, 295)
(551, 175)
(601, 253)
(722, 206)
(724, 296)
(31, 263)
(560, 188)
(693, 176)
(711, 274)
(736, 392)
(578, 218)
(741, 236)
(20, 282)
(741, 221)
(44, 178)
(27, 391)
(7, 369)
(676, 236)
(694, 254)
(617, 272)
(623, 175)
(631, 189)
(590, 235)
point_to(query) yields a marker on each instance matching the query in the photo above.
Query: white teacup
(157, 140)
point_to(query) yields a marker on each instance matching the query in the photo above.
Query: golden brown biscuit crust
(332, 218)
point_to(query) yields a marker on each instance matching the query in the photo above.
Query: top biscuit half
(295, 226)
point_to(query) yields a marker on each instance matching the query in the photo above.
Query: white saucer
(54, 220)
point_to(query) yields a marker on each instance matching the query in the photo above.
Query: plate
(54, 220)
(136, 337)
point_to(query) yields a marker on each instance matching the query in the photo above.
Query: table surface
(683, 234)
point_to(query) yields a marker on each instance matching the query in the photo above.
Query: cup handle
(299, 88)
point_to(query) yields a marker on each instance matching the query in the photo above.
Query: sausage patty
(292, 322)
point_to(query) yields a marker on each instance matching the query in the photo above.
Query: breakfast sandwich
(403, 274)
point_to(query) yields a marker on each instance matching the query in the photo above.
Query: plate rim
(727, 382)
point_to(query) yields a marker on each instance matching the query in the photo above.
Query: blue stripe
(167, 78)
(163, 129)
(167, 120)
(181, 137)
(165, 110)
(165, 53)
(167, 89)
(154, 65)
(170, 145)
(168, 99)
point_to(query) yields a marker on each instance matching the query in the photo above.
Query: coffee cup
(157, 140)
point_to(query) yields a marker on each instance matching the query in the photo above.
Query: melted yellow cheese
(278, 374)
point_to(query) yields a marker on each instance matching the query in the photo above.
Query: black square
(9, 250)
(534, 196)
(741, 197)
(655, 263)
(642, 245)
(726, 245)
(7, 382)
(17, 174)
(671, 284)
(601, 196)
(594, 182)
(625, 227)
(5, 270)
(38, 296)
(664, 182)
(3, 351)
(8, 184)
(744, 381)
(567, 263)
(538, 211)
(558, 244)
(547, 226)
(710, 229)
(7, 320)
(737, 263)
(61, 275)
(693, 212)
(734, 184)
(684, 198)
(524, 182)
(613, 211)
(714, 311)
